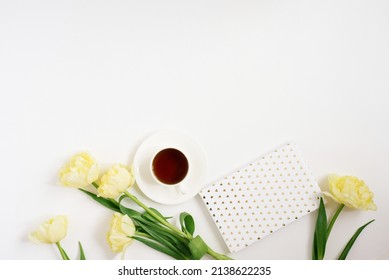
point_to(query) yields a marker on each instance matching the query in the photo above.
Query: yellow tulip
(351, 191)
(51, 231)
(115, 182)
(80, 171)
(122, 228)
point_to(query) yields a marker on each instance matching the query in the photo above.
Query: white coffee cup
(169, 168)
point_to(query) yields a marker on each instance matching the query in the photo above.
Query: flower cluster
(82, 170)
(150, 227)
(153, 229)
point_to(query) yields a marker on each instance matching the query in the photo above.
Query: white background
(241, 77)
(280, 269)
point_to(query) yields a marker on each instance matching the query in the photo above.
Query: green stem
(333, 219)
(157, 217)
(62, 252)
(95, 185)
(217, 256)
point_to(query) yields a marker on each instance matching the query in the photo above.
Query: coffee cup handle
(182, 189)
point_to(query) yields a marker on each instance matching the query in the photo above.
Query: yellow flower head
(351, 191)
(80, 171)
(122, 228)
(51, 231)
(115, 182)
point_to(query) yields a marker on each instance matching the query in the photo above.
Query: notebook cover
(261, 197)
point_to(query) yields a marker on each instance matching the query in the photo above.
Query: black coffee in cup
(170, 166)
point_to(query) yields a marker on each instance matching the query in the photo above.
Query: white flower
(115, 182)
(51, 231)
(120, 232)
(80, 171)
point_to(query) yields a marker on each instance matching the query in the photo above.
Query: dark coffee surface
(170, 166)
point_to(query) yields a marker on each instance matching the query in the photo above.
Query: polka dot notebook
(262, 197)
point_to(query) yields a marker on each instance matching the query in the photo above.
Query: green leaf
(162, 230)
(314, 248)
(170, 236)
(159, 247)
(320, 238)
(133, 214)
(344, 254)
(82, 254)
(198, 247)
(140, 221)
(187, 223)
(148, 216)
(107, 203)
(146, 219)
(177, 241)
(168, 240)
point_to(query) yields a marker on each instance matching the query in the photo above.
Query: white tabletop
(241, 77)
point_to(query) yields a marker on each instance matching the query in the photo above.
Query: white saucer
(193, 182)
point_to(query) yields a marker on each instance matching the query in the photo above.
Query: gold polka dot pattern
(262, 197)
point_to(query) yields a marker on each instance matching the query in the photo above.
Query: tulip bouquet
(348, 191)
(148, 226)
(153, 229)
